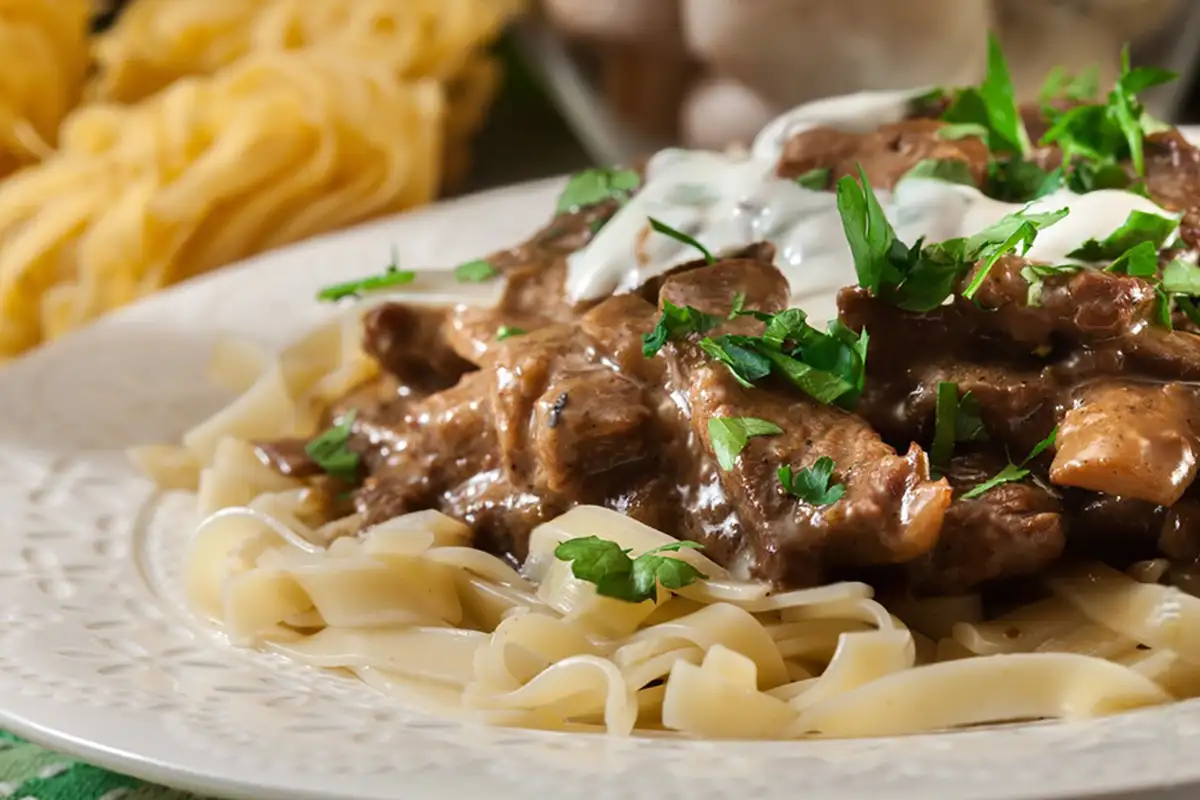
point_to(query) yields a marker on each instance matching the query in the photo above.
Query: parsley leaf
(1035, 275)
(815, 179)
(680, 236)
(675, 322)
(868, 232)
(615, 574)
(1011, 233)
(812, 485)
(739, 305)
(594, 186)
(1060, 84)
(964, 130)
(950, 170)
(1137, 228)
(993, 106)
(918, 278)
(827, 366)
(1013, 472)
(1015, 180)
(1104, 135)
(392, 276)
(955, 420)
(1181, 277)
(505, 331)
(730, 435)
(1139, 261)
(476, 271)
(331, 453)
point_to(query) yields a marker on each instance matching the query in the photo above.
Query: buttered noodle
(410, 608)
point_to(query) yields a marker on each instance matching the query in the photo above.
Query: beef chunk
(1119, 529)
(1173, 179)
(892, 510)
(1011, 530)
(1093, 308)
(1129, 440)
(910, 354)
(885, 155)
(407, 342)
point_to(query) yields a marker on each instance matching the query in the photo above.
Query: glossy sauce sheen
(727, 201)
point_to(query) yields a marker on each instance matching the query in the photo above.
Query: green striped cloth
(29, 772)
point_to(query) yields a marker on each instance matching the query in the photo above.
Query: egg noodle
(211, 131)
(410, 608)
(45, 61)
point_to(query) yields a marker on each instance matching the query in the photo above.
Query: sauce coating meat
(507, 432)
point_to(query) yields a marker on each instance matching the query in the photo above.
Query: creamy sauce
(731, 200)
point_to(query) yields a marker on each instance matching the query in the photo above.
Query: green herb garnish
(1099, 137)
(730, 435)
(476, 271)
(812, 485)
(1139, 261)
(615, 574)
(680, 236)
(739, 305)
(505, 331)
(676, 322)
(392, 276)
(829, 367)
(1061, 85)
(992, 106)
(1013, 472)
(955, 420)
(816, 179)
(331, 452)
(950, 170)
(920, 278)
(594, 186)
(1139, 227)
(1181, 277)
(1035, 275)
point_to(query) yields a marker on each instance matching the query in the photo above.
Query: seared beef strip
(884, 155)
(911, 353)
(1011, 530)
(892, 510)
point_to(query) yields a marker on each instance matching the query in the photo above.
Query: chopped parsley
(1013, 472)
(1139, 227)
(1035, 275)
(392, 276)
(992, 107)
(1061, 85)
(920, 278)
(331, 451)
(675, 323)
(680, 236)
(615, 574)
(476, 271)
(1095, 138)
(506, 331)
(1015, 180)
(950, 170)
(739, 305)
(812, 485)
(594, 186)
(1181, 277)
(829, 367)
(816, 179)
(730, 435)
(1139, 261)
(955, 420)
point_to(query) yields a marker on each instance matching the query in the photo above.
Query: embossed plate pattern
(98, 658)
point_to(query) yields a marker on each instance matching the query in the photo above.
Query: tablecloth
(29, 772)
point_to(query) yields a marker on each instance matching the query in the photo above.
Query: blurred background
(147, 141)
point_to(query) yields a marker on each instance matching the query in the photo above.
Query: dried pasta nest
(276, 147)
(43, 44)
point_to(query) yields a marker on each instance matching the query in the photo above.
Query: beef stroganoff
(883, 426)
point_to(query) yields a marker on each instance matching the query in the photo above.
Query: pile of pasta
(412, 609)
(213, 131)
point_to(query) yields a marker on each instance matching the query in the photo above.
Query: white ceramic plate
(98, 657)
